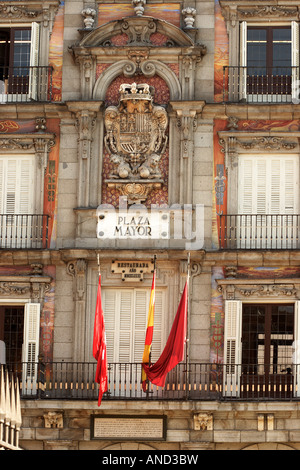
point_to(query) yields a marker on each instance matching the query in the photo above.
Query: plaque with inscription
(128, 427)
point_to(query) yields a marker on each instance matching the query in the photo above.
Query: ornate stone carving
(135, 139)
(139, 32)
(13, 288)
(139, 6)
(189, 15)
(233, 142)
(203, 421)
(53, 419)
(268, 11)
(89, 17)
(239, 290)
(13, 12)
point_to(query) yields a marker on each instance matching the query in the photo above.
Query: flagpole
(187, 328)
(154, 268)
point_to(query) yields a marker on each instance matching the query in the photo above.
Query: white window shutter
(295, 62)
(126, 326)
(31, 346)
(243, 60)
(140, 322)
(233, 347)
(109, 309)
(34, 61)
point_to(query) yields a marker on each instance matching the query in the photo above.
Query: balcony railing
(25, 84)
(24, 231)
(260, 85)
(258, 231)
(197, 381)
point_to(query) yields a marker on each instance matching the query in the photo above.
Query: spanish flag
(149, 332)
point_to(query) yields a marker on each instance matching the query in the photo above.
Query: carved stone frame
(235, 143)
(253, 11)
(260, 290)
(38, 144)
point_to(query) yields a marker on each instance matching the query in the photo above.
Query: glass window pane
(282, 34)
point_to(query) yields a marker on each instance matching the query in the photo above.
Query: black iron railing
(197, 381)
(27, 231)
(25, 84)
(260, 84)
(258, 231)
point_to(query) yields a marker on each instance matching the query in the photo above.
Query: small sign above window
(132, 270)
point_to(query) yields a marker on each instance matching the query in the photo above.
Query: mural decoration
(56, 52)
(153, 169)
(221, 53)
(169, 12)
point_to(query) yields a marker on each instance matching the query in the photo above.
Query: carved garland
(41, 144)
(230, 142)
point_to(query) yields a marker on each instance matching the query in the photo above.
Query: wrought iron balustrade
(259, 231)
(24, 231)
(260, 84)
(195, 381)
(26, 84)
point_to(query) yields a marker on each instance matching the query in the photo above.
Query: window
(18, 62)
(17, 222)
(259, 347)
(269, 62)
(268, 201)
(19, 331)
(126, 314)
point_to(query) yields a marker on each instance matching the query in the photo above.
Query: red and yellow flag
(149, 332)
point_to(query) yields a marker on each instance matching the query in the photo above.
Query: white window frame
(294, 62)
(233, 344)
(31, 342)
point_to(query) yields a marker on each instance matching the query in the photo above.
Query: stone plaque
(128, 427)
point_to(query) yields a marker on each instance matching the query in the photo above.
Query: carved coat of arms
(136, 140)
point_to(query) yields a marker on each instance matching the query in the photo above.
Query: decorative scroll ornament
(136, 140)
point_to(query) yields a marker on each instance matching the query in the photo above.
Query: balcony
(198, 381)
(259, 232)
(24, 231)
(253, 85)
(25, 84)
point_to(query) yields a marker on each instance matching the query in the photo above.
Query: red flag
(149, 332)
(174, 349)
(99, 346)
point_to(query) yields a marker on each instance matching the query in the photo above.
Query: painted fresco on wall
(8, 126)
(216, 318)
(169, 12)
(56, 53)
(221, 58)
(161, 97)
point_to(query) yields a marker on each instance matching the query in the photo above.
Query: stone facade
(172, 60)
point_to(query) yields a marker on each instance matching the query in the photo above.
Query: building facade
(136, 135)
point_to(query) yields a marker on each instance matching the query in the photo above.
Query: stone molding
(254, 289)
(235, 142)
